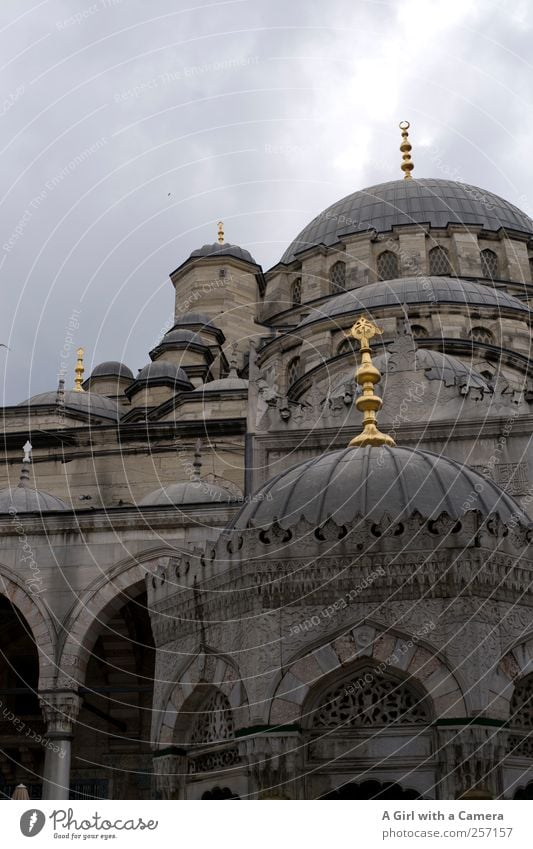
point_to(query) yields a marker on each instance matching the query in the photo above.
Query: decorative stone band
(316, 566)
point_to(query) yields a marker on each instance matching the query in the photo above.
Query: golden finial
(366, 376)
(406, 148)
(220, 232)
(79, 370)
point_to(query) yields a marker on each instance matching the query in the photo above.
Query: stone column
(60, 709)
(274, 765)
(170, 773)
(471, 760)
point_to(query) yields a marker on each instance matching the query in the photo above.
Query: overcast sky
(129, 128)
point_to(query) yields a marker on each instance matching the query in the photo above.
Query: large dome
(372, 483)
(414, 290)
(400, 202)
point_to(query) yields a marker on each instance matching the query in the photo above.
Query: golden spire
(366, 376)
(406, 148)
(79, 370)
(220, 232)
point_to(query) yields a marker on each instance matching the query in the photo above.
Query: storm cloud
(129, 129)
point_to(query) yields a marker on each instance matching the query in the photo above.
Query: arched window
(214, 720)
(387, 266)
(368, 701)
(294, 371)
(531, 266)
(521, 720)
(489, 264)
(337, 276)
(296, 292)
(439, 261)
(481, 334)
(521, 708)
(419, 332)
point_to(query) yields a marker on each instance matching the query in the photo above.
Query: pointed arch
(97, 605)
(371, 644)
(35, 613)
(203, 676)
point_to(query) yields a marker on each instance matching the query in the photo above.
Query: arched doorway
(372, 790)
(111, 754)
(524, 792)
(22, 730)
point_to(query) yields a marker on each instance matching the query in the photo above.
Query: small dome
(374, 482)
(181, 337)
(112, 368)
(414, 290)
(223, 250)
(187, 492)
(163, 370)
(90, 403)
(400, 202)
(24, 499)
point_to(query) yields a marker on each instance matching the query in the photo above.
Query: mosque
(290, 556)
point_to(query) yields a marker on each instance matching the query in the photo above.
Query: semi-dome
(436, 365)
(24, 499)
(187, 492)
(400, 202)
(374, 482)
(439, 366)
(415, 290)
(225, 249)
(112, 368)
(163, 370)
(90, 403)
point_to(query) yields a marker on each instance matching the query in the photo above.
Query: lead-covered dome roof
(373, 483)
(187, 492)
(90, 403)
(24, 499)
(400, 202)
(163, 370)
(414, 290)
(112, 368)
(225, 249)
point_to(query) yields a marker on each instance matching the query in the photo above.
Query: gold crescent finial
(220, 232)
(79, 370)
(406, 148)
(367, 375)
